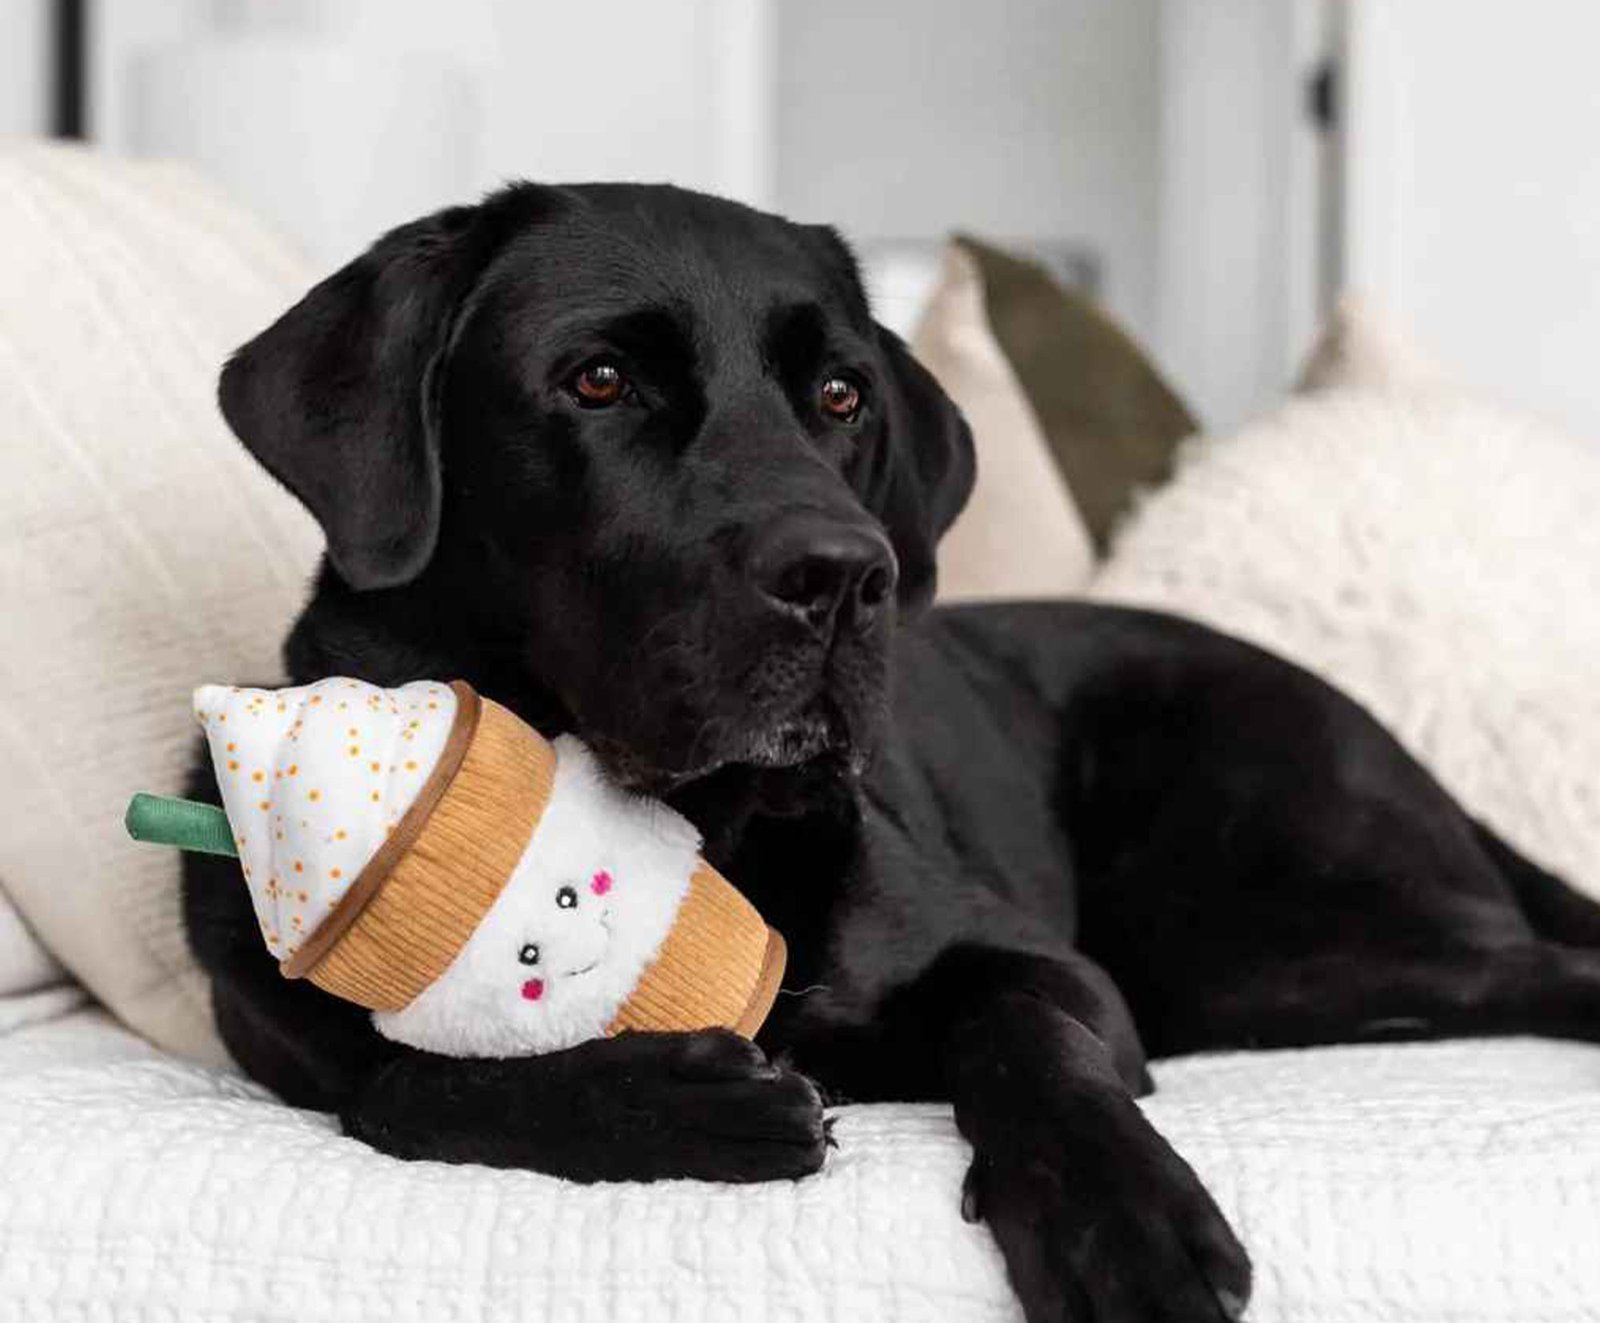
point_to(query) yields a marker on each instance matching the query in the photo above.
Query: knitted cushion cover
(142, 551)
(1435, 556)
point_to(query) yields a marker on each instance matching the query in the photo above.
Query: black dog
(638, 463)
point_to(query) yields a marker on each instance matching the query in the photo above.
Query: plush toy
(424, 853)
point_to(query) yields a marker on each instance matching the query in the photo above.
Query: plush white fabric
(1437, 558)
(141, 549)
(593, 895)
(1448, 1183)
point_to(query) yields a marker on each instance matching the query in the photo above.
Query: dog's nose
(822, 569)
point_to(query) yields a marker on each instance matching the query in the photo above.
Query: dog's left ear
(338, 398)
(923, 470)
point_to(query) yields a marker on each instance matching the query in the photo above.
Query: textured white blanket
(1456, 1181)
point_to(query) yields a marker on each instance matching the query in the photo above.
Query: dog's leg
(705, 1105)
(1096, 1215)
(635, 1107)
(1434, 930)
(1553, 909)
(1268, 894)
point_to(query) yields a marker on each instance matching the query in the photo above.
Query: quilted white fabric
(1445, 1183)
(1437, 558)
(141, 549)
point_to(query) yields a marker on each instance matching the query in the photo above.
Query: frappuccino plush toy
(423, 852)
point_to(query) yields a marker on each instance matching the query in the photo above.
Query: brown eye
(598, 384)
(840, 398)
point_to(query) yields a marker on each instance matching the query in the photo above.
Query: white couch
(1455, 1181)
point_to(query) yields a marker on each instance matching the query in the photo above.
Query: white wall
(1240, 220)
(24, 66)
(1154, 135)
(1033, 120)
(1473, 177)
(1019, 119)
(338, 118)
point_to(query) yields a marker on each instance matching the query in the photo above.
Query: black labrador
(639, 464)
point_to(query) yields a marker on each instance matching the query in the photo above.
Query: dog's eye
(597, 384)
(529, 955)
(567, 898)
(840, 398)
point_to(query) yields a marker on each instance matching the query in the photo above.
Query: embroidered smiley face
(581, 917)
(569, 944)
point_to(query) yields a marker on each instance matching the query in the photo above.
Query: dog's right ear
(338, 398)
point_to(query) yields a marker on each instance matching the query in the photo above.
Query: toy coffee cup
(423, 852)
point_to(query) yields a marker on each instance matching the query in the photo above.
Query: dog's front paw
(1100, 1221)
(719, 1110)
(637, 1107)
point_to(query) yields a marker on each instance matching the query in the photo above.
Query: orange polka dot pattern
(339, 762)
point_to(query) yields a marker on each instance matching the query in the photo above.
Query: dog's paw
(1100, 1221)
(637, 1107)
(713, 1107)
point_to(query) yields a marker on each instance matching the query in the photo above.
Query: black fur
(1014, 848)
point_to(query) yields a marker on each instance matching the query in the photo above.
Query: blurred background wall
(1474, 189)
(1165, 152)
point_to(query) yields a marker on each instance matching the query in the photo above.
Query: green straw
(202, 828)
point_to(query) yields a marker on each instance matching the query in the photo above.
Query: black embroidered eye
(567, 898)
(529, 955)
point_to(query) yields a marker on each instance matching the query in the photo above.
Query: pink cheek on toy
(533, 989)
(600, 883)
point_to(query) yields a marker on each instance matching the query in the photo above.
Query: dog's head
(650, 443)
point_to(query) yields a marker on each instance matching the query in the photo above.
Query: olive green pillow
(1112, 423)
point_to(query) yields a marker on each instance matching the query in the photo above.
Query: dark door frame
(69, 43)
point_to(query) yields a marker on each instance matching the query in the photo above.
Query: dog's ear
(338, 398)
(924, 470)
(921, 475)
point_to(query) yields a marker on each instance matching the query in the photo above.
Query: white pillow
(25, 966)
(141, 549)
(1361, 347)
(1436, 557)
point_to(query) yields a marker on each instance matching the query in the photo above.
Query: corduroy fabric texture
(440, 889)
(712, 969)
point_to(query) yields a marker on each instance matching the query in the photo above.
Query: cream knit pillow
(1434, 556)
(1361, 347)
(141, 549)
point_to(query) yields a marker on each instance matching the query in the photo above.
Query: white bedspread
(1456, 1181)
